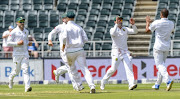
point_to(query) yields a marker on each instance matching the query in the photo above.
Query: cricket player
(119, 52)
(18, 38)
(5, 47)
(163, 29)
(63, 69)
(74, 38)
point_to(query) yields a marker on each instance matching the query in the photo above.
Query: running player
(18, 38)
(63, 69)
(74, 38)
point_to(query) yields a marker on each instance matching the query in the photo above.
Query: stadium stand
(54, 18)
(139, 43)
(32, 19)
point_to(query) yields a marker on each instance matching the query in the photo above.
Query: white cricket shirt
(120, 36)
(15, 36)
(74, 36)
(163, 29)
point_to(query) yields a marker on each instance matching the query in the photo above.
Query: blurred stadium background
(96, 17)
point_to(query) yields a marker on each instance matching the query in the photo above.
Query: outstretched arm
(54, 31)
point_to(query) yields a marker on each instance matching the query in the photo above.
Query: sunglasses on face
(22, 21)
(120, 20)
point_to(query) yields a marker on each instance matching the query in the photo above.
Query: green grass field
(112, 91)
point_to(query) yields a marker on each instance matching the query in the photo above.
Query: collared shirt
(74, 36)
(58, 29)
(5, 39)
(119, 36)
(15, 36)
(163, 29)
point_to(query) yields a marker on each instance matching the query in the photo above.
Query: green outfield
(113, 91)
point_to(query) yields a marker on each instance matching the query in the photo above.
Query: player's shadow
(97, 92)
(140, 89)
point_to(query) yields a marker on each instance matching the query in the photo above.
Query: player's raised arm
(118, 23)
(148, 21)
(134, 29)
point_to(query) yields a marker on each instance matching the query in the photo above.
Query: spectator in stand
(33, 48)
(7, 49)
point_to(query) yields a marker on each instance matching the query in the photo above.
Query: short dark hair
(164, 12)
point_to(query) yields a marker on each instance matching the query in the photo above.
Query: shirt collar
(164, 18)
(121, 28)
(64, 23)
(70, 22)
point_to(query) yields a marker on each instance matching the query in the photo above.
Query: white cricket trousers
(21, 61)
(80, 57)
(116, 59)
(160, 58)
(64, 69)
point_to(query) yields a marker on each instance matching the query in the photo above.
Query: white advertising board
(35, 70)
(143, 69)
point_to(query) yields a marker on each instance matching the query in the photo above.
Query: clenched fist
(132, 21)
(50, 43)
(20, 42)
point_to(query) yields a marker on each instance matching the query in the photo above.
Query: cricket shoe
(169, 85)
(92, 90)
(156, 87)
(56, 76)
(81, 87)
(78, 88)
(134, 86)
(102, 86)
(10, 84)
(28, 89)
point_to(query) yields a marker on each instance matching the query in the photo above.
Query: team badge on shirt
(123, 29)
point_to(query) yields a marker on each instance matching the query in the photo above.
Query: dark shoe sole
(29, 89)
(170, 86)
(93, 91)
(134, 87)
(156, 88)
